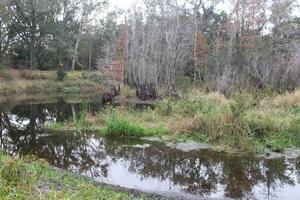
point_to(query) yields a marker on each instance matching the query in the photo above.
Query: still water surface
(142, 164)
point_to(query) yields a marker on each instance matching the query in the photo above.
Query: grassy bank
(28, 178)
(243, 122)
(34, 81)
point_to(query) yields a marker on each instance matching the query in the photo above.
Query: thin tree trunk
(1, 57)
(32, 57)
(195, 48)
(75, 53)
(90, 55)
(76, 46)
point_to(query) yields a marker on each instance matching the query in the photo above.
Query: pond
(142, 164)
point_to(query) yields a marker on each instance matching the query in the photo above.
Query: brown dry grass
(288, 99)
(28, 81)
(181, 124)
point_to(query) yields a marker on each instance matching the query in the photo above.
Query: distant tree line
(159, 42)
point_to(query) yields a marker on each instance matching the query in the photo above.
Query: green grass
(56, 126)
(244, 122)
(28, 178)
(79, 120)
(120, 126)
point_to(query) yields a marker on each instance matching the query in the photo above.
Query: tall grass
(243, 122)
(118, 125)
(79, 119)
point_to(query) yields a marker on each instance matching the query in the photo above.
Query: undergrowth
(242, 122)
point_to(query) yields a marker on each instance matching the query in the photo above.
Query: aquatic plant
(79, 119)
(116, 126)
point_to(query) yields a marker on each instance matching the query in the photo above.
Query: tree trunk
(75, 53)
(90, 55)
(195, 49)
(76, 45)
(32, 57)
(1, 57)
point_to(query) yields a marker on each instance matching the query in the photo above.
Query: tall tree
(6, 33)
(29, 18)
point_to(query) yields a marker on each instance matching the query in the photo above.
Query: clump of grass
(129, 124)
(288, 99)
(12, 171)
(264, 123)
(122, 127)
(79, 120)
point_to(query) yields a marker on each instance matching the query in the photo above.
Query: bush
(61, 74)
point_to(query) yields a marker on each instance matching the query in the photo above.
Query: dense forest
(252, 44)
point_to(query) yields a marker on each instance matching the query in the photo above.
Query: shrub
(60, 73)
(241, 102)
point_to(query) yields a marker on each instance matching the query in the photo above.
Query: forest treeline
(254, 44)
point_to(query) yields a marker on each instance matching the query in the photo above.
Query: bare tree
(160, 46)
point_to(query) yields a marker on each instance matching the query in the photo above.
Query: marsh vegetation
(180, 98)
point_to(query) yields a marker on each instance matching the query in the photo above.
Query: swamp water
(144, 164)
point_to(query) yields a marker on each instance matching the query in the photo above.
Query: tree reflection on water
(203, 173)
